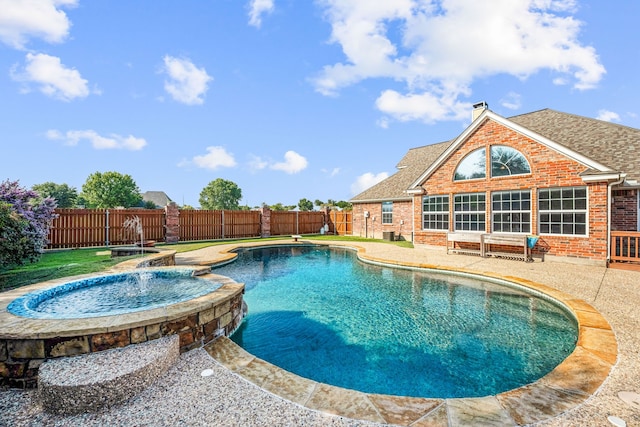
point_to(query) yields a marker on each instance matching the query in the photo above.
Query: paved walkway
(226, 399)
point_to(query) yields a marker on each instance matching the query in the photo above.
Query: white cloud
(23, 19)
(216, 157)
(333, 172)
(438, 48)
(113, 141)
(293, 163)
(367, 180)
(51, 76)
(256, 163)
(186, 83)
(512, 101)
(608, 116)
(258, 8)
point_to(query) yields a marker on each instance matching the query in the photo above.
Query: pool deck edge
(566, 387)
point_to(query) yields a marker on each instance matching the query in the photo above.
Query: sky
(289, 99)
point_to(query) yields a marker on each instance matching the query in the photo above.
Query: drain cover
(618, 422)
(207, 373)
(630, 398)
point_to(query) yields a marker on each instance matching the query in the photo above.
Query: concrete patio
(226, 398)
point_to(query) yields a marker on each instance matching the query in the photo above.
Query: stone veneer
(26, 343)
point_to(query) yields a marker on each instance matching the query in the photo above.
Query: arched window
(473, 166)
(506, 161)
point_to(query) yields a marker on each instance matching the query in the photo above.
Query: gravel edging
(91, 381)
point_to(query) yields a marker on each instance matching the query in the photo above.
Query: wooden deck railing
(625, 246)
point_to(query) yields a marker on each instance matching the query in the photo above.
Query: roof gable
(588, 162)
(409, 167)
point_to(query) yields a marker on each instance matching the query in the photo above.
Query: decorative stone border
(26, 343)
(569, 385)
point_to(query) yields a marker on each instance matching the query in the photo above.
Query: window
(506, 161)
(473, 166)
(469, 212)
(387, 212)
(511, 211)
(563, 211)
(435, 213)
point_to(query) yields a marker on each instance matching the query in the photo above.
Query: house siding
(549, 169)
(373, 227)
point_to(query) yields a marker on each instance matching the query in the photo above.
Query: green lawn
(63, 263)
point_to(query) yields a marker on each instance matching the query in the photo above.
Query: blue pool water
(322, 314)
(112, 294)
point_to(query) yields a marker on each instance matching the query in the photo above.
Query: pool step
(88, 382)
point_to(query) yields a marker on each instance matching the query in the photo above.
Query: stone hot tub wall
(26, 343)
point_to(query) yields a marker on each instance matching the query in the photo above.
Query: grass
(63, 263)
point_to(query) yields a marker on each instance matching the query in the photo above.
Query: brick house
(571, 180)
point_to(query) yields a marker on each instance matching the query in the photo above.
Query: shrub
(25, 219)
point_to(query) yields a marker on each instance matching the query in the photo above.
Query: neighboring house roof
(160, 198)
(603, 147)
(409, 167)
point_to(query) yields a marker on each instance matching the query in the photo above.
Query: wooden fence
(75, 228)
(288, 223)
(341, 222)
(625, 249)
(215, 224)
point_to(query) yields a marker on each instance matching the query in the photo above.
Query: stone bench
(88, 382)
(295, 237)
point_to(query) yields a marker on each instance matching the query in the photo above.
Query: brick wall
(373, 227)
(548, 169)
(624, 210)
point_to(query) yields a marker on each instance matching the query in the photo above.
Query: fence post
(265, 221)
(172, 223)
(223, 222)
(106, 235)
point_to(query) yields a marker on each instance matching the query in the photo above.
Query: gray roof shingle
(613, 145)
(409, 168)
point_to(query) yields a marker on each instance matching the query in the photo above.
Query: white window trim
(512, 211)
(484, 212)
(382, 213)
(586, 211)
(447, 212)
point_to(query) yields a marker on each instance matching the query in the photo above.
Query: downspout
(609, 201)
(413, 219)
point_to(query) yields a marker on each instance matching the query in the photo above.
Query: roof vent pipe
(478, 108)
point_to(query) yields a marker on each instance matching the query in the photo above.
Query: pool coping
(569, 385)
(23, 328)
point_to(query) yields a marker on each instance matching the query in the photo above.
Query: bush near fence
(74, 228)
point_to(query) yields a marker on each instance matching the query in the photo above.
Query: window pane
(507, 161)
(473, 166)
(566, 214)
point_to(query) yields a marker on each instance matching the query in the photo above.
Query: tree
(64, 195)
(25, 219)
(110, 190)
(221, 194)
(345, 206)
(305, 205)
(280, 207)
(148, 204)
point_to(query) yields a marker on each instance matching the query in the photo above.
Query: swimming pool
(322, 314)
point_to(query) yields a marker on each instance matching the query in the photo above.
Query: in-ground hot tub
(26, 342)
